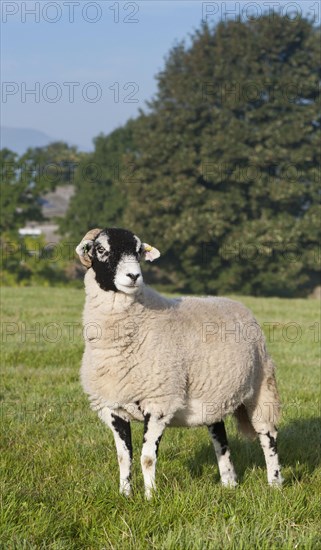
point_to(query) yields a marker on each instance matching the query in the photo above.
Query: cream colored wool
(190, 361)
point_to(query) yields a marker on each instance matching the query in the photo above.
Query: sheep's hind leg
(222, 451)
(267, 436)
(153, 431)
(123, 441)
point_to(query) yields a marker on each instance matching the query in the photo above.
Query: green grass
(59, 469)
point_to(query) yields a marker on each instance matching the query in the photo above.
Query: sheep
(187, 361)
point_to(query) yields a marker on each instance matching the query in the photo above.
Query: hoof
(230, 483)
(125, 490)
(277, 480)
(276, 483)
(149, 493)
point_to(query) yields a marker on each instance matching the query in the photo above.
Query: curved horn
(85, 245)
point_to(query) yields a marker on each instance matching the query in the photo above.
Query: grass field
(59, 482)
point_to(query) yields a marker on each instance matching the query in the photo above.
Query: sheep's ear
(150, 253)
(84, 248)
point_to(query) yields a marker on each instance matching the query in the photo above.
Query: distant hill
(19, 139)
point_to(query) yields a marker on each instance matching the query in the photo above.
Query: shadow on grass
(299, 448)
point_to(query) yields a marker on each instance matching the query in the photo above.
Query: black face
(115, 260)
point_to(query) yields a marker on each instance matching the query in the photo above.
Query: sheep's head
(115, 255)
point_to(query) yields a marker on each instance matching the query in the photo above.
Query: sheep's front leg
(222, 451)
(123, 441)
(153, 431)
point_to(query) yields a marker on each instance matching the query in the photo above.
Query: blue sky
(92, 65)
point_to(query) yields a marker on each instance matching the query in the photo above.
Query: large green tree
(228, 172)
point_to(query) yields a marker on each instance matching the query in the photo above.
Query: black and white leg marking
(222, 451)
(268, 444)
(123, 441)
(153, 431)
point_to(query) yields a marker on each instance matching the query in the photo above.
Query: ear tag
(151, 253)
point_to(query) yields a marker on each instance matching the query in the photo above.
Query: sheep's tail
(262, 411)
(243, 422)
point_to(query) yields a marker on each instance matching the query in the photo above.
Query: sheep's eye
(100, 249)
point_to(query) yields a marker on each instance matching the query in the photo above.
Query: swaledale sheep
(170, 362)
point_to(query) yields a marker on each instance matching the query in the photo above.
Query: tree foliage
(25, 179)
(19, 195)
(52, 165)
(28, 261)
(228, 176)
(99, 199)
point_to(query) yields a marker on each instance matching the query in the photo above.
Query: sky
(75, 69)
